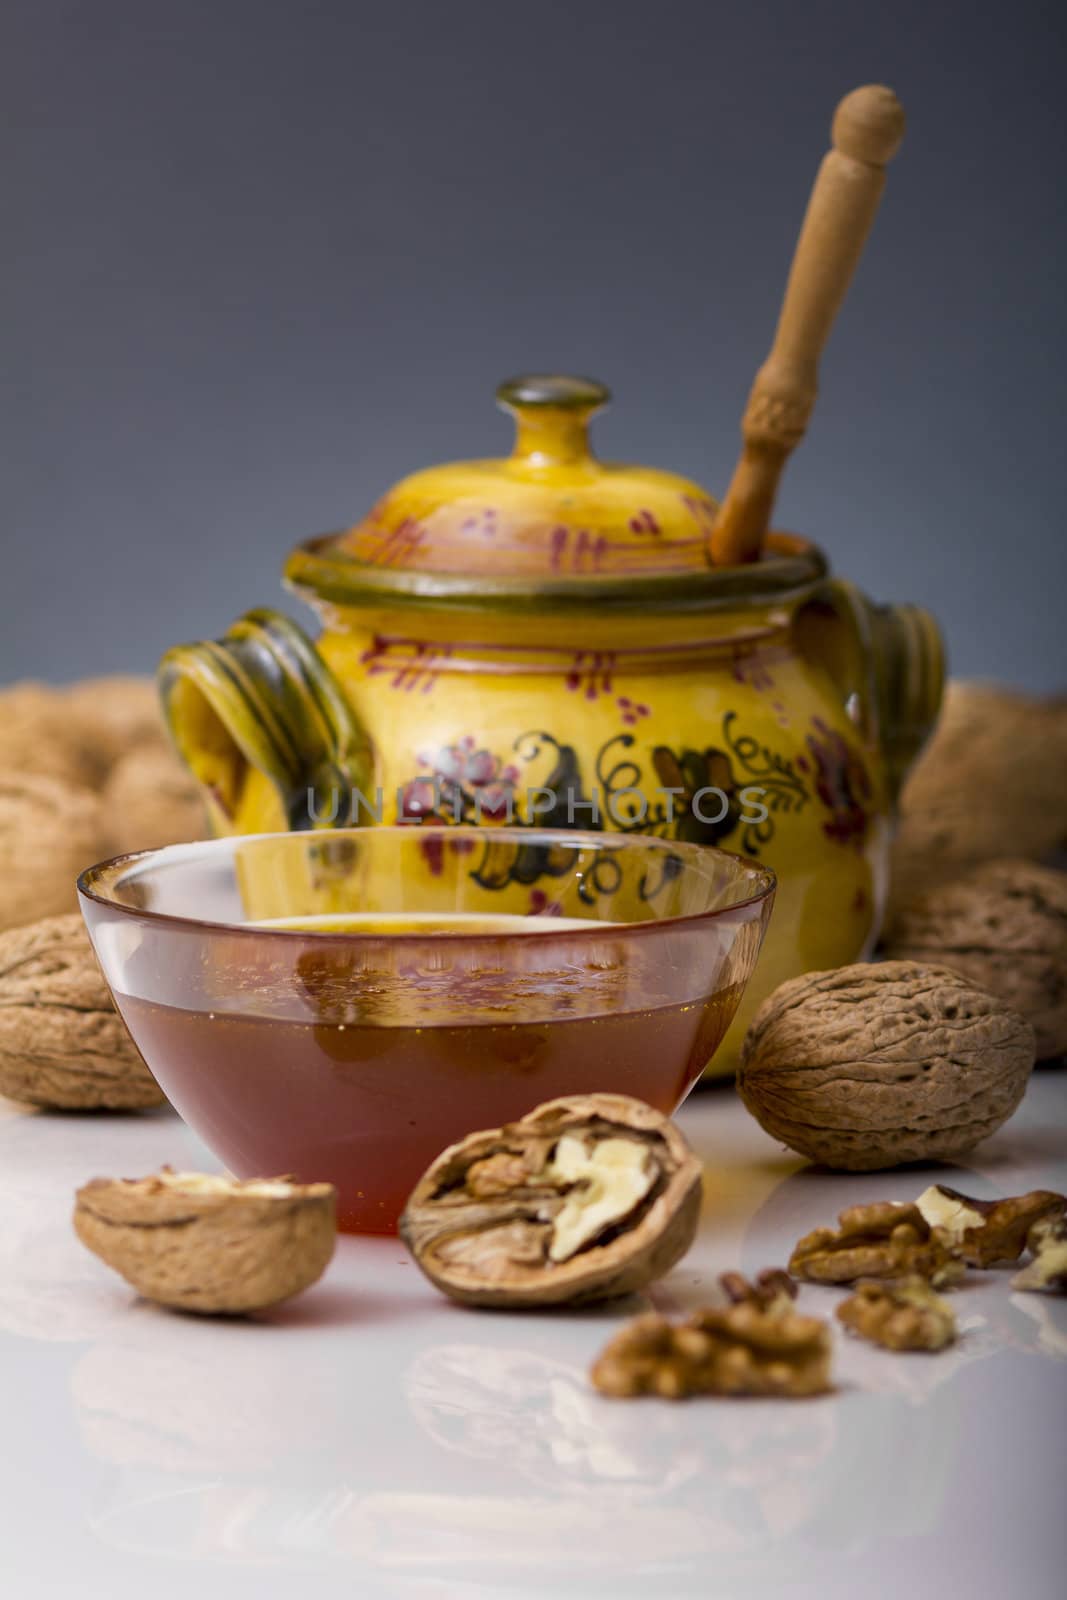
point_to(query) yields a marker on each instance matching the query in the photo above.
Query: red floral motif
(484, 523)
(542, 906)
(841, 783)
(591, 671)
(781, 714)
(401, 544)
(434, 848)
(460, 783)
(645, 522)
(576, 549)
(632, 711)
(409, 663)
(750, 670)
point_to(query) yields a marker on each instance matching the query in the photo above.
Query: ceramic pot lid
(550, 510)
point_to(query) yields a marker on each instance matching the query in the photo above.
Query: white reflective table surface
(372, 1439)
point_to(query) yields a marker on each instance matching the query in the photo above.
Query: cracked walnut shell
(63, 1046)
(200, 1242)
(587, 1197)
(906, 1315)
(870, 1066)
(745, 1349)
(887, 1239)
(1004, 926)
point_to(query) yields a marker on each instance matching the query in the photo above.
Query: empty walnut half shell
(200, 1242)
(985, 1232)
(585, 1198)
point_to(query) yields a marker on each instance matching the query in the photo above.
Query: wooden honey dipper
(867, 129)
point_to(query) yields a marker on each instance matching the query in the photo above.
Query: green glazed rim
(794, 571)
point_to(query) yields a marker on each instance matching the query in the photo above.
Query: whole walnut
(1004, 926)
(49, 833)
(63, 1045)
(116, 714)
(989, 784)
(871, 1066)
(150, 800)
(38, 736)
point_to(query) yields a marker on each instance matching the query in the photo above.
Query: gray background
(263, 258)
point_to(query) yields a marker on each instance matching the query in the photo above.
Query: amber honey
(394, 1057)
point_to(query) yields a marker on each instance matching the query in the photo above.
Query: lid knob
(552, 414)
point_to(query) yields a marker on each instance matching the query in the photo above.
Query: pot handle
(888, 662)
(262, 698)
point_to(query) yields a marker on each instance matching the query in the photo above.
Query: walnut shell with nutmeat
(871, 1066)
(1004, 926)
(200, 1242)
(585, 1198)
(49, 833)
(63, 1046)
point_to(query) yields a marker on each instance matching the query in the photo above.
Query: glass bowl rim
(445, 831)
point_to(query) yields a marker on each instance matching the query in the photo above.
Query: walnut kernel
(985, 1232)
(771, 1290)
(884, 1240)
(905, 1315)
(1047, 1272)
(742, 1350)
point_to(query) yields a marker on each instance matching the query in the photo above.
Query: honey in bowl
(322, 1005)
(318, 1099)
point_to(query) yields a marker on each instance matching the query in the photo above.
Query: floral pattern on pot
(734, 793)
(842, 784)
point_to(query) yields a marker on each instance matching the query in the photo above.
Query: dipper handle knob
(867, 129)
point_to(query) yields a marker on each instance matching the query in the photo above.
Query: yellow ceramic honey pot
(553, 641)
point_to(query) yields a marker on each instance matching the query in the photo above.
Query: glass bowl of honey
(342, 1004)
